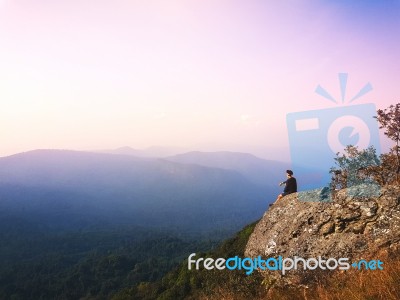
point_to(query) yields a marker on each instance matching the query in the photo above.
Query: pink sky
(202, 75)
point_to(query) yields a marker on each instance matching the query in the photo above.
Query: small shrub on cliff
(354, 167)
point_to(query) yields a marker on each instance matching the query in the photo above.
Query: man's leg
(277, 199)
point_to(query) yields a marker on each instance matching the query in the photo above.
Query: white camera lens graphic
(348, 130)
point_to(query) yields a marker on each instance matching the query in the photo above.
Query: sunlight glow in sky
(204, 75)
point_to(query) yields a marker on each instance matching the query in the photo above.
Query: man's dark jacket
(291, 186)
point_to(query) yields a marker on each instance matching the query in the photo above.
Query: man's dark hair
(290, 172)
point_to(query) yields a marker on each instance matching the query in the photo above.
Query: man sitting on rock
(290, 185)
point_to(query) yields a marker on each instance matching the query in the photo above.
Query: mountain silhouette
(151, 152)
(257, 170)
(63, 189)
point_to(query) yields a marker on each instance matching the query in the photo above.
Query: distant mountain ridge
(79, 189)
(259, 171)
(150, 152)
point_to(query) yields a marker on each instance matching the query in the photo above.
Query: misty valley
(82, 225)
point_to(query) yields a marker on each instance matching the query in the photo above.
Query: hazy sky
(207, 75)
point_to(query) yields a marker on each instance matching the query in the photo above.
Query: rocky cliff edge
(355, 226)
